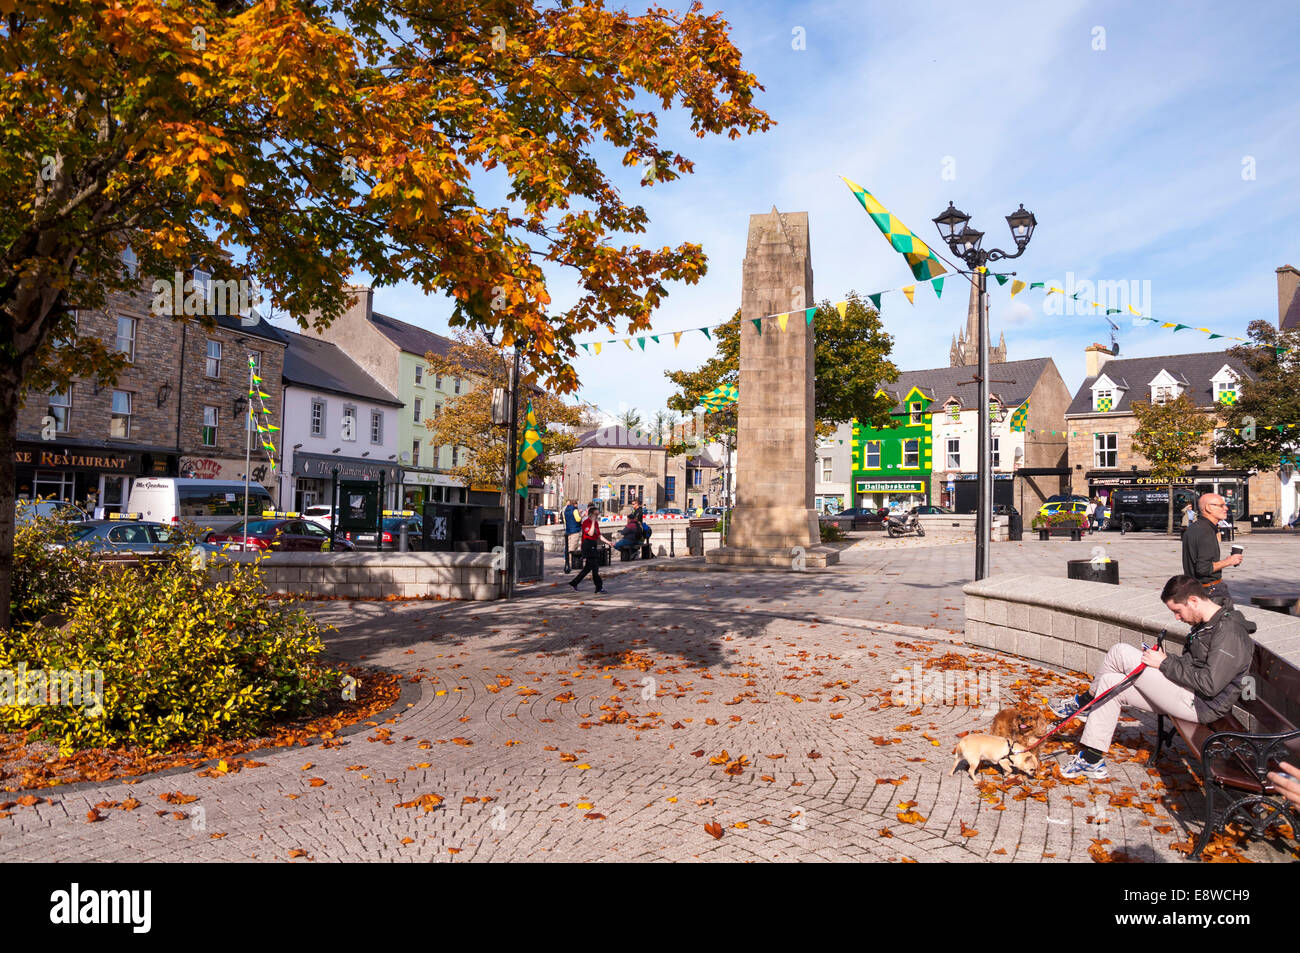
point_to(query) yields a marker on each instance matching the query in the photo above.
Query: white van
(212, 504)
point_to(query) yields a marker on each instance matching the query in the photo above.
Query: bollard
(403, 543)
(672, 549)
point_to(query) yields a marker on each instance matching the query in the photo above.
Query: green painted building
(892, 467)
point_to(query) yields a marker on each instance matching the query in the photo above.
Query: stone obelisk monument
(774, 522)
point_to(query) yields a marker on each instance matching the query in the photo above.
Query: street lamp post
(954, 227)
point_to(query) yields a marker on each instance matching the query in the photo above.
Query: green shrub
(831, 532)
(183, 659)
(46, 575)
(1059, 521)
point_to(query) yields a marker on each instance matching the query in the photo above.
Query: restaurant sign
(98, 460)
(891, 486)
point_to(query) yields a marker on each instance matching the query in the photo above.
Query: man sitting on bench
(1200, 685)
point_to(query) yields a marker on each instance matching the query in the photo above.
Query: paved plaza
(774, 705)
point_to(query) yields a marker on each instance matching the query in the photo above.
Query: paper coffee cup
(1237, 549)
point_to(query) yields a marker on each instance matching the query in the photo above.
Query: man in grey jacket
(1200, 685)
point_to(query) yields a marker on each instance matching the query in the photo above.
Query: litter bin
(528, 561)
(1090, 571)
(1015, 527)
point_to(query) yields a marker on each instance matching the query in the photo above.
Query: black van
(1146, 509)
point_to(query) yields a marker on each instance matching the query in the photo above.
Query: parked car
(129, 539)
(26, 511)
(391, 527)
(319, 514)
(870, 514)
(211, 504)
(667, 511)
(280, 534)
(713, 511)
(929, 510)
(1075, 505)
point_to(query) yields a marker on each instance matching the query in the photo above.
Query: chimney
(1095, 358)
(1288, 297)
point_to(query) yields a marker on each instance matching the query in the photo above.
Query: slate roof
(408, 337)
(1135, 374)
(319, 365)
(1011, 383)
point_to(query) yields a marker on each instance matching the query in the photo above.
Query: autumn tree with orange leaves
(450, 144)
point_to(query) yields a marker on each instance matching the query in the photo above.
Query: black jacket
(1213, 664)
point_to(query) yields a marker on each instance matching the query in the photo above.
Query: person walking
(571, 528)
(591, 541)
(1201, 685)
(1201, 549)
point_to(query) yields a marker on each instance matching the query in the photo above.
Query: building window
(622, 494)
(1103, 400)
(455, 456)
(871, 455)
(1163, 394)
(437, 411)
(120, 427)
(130, 260)
(437, 381)
(954, 453)
(60, 408)
(415, 453)
(914, 408)
(826, 470)
(595, 491)
(418, 409)
(1105, 451)
(455, 383)
(209, 426)
(257, 362)
(954, 412)
(1225, 392)
(126, 337)
(419, 375)
(214, 359)
(376, 427)
(349, 423)
(318, 418)
(911, 453)
(995, 452)
(670, 488)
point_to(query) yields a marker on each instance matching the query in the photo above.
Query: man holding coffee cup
(1201, 549)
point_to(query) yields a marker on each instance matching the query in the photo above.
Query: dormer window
(953, 410)
(1227, 386)
(914, 410)
(1165, 387)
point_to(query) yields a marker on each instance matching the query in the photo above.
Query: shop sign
(1148, 481)
(891, 486)
(78, 460)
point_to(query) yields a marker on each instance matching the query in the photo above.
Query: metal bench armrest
(1253, 751)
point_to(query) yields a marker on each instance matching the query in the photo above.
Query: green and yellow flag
(918, 254)
(529, 450)
(1020, 418)
(720, 398)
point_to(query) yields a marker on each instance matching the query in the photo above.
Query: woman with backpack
(591, 541)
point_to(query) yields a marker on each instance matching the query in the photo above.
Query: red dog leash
(1128, 680)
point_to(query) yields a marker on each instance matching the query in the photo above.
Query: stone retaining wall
(1071, 623)
(449, 575)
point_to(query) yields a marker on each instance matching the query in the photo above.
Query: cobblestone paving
(792, 671)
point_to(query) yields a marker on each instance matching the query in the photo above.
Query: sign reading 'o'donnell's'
(891, 486)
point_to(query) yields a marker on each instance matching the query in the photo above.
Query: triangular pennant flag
(808, 314)
(910, 291)
(1167, 324)
(781, 319)
(1213, 336)
(586, 348)
(1134, 310)
(628, 342)
(655, 338)
(875, 299)
(1002, 279)
(841, 307)
(1112, 311)
(758, 325)
(1035, 284)
(1054, 290)
(1017, 286)
(1179, 327)
(706, 333)
(938, 287)
(641, 341)
(677, 338)
(271, 426)
(917, 253)
(597, 347)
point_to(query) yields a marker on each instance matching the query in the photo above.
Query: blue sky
(1135, 159)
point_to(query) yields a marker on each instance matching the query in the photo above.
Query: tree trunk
(1170, 528)
(9, 391)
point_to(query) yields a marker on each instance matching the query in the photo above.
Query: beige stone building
(615, 467)
(1101, 423)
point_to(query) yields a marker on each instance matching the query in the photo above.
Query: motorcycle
(904, 525)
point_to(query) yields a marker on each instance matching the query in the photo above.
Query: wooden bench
(1236, 752)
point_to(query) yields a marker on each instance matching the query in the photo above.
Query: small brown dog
(1023, 726)
(975, 749)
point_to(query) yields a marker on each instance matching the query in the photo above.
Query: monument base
(814, 557)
